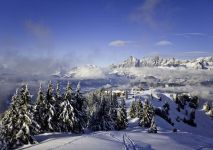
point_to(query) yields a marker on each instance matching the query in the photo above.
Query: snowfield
(130, 139)
(136, 137)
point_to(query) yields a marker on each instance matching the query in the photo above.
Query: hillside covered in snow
(170, 135)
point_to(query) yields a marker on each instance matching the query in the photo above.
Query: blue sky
(105, 31)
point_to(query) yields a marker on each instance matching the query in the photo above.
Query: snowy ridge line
(59, 146)
(130, 145)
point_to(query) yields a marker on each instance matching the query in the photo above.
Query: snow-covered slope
(136, 137)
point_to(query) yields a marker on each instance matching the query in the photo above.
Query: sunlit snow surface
(135, 137)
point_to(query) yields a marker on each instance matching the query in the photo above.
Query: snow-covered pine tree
(58, 92)
(101, 119)
(58, 101)
(164, 113)
(51, 123)
(113, 107)
(80, 110)
(139, 109)
(67, 115)
(106, 122)
(93, 110)
(191, 118)
(25, 94)
(92, 102)
(3, 144)
(41, 110)
(148, 113)
(17, 123)
(133, 110)
(94, 120)
(122, 116)
(8, 126)
(194, 102)
(153, 127)
(27, 125)
(166, 108)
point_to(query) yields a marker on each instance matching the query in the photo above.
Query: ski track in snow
(128, 142)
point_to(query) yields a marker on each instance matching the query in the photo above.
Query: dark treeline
(56, 111)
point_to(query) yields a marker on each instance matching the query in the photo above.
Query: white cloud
(119, 43)
(190, 34)
(164, 43)
(196, 52)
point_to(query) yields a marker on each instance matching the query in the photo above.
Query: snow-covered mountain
(132, 64)
(199, 63)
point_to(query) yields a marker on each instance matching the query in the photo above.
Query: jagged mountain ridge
(199, 63)
(124, 68)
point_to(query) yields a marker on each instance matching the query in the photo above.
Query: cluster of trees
(52, 112)
(56, 111)
(164, 113)
(183, 103)
(105, 112)
(146, 113)
(208, 109)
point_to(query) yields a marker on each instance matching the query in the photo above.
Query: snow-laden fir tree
(3, 144)
(153, 127)
(18, 123)
(139, 109)
(51, 117)
(100, 117)
(133, 110)
(92, 101)
(80, 109)
(58, 101)
(147, 115)
(122, 116)
(41, 110)
(45, 110)
(28, 125)
(8, 126)
(67, 115)
(166, 108)
(192, 116)
(113, 107)
(58, 92)
(25, 95)
(190, 119)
